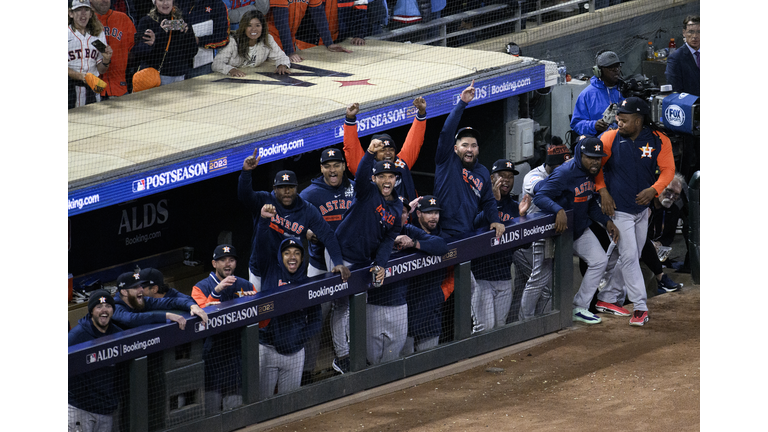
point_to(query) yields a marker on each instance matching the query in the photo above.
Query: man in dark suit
(683, 65)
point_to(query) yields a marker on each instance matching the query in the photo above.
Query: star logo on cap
(624, 102)
(226, 249)
(647, 151)
(582, 137)
(291, 242)
(433, 201)
(286, 177)
(386, 142)
(597, 147)
(331, 152)
(102, 299)
(136, 276)
(387, 165)
(509, 164)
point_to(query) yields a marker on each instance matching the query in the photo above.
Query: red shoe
(611, 308)
(639, 318)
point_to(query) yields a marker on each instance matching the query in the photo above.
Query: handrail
(244, 311)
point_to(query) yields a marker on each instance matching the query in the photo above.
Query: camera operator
(591, 115)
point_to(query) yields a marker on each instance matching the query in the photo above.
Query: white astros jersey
(83, 56)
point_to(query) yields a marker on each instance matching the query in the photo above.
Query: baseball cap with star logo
(286, 178)
(504, 165)
(634, 105)
(384, 166)
(591, 146)
(224, 250)
(129, 280)
(428, 203)
(385, 138)
(332, 154)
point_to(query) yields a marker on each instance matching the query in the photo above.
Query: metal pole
(357, 332)
(138, 395)
(462, 301)
(249, 367)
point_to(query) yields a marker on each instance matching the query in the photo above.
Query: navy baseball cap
(332, 154)
(152, 276)
(384, 166)
(468, 131)
(385, 138)
(224, 250)
(634, 105)
(428, 203)
(286, 178)
(291, 242)
(129, 280)
(504, 165)
(591, 146)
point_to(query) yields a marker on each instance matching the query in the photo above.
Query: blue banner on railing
(293, 143)
(244, 311)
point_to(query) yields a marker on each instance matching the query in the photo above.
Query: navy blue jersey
(332, 202)
(370, 226)
(462, 192)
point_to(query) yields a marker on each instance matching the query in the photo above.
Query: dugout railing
(162, 372)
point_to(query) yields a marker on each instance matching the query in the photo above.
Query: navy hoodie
(571, 187)
(288, 332)
(462, 192)
(153, 312)
(290, 222)
(332, 202)
(370, 226)
(93, 391)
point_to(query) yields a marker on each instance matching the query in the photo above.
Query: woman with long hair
(251, 46)
(84, 57)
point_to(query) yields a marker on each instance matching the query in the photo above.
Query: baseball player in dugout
(403, 160)
(132, 309)
(294, 216)
(119, 31)
(282, 339)
(331, 192)
(369, 229)
(572, 186)
(627, 184)
(155, 285)
(92, 396)
(89, 55)
(461, 183)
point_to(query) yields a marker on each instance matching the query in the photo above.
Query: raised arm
(446, 139)
(353, 151)
(415, 138)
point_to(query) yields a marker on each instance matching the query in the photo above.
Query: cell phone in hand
(99, 45)
(176, 24)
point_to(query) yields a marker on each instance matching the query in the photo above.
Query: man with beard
(367, 236)
(92, 396)
(222, 351)
(405, 158)
(294, 216)
(462, 185)
(627, 185)
(602, 92)
(662, 225)
(132, 309)
(571, 186)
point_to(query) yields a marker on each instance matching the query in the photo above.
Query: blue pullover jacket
(591, 104)
(570, 187)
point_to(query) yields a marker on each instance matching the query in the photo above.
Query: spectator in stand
(282, 339)
(120, 32)
(408, 12)
(284, 18)
(494, 294)
(152, 41)
(571, 186)
(92, 396)
(425, 296)
(352, 20)
(294, 217)
(251, 46)
(222, 351)
(332, 194)
(592, 104)
(133, 310)
(627, 185)
(155, 286)
(367, 236)
(537, 295)
(86, 62)
(403, 161)
(210, 22)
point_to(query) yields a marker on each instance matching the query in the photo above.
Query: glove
(95, 83)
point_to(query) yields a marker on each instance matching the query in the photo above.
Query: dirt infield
(610, 374)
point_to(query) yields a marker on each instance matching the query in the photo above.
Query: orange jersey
(296, 11)
(331, 13)
(119, 31)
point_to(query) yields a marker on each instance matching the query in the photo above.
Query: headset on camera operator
(595, 108)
